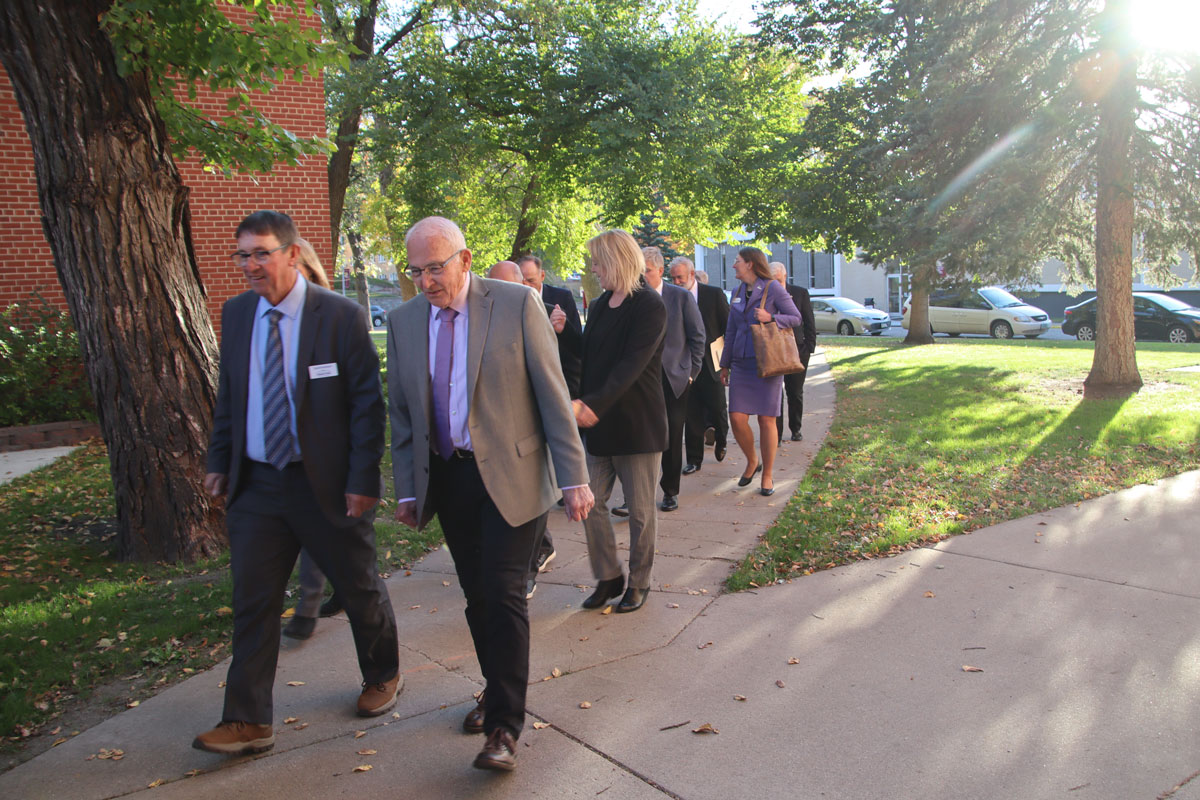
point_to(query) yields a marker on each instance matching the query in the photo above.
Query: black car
(378, 316)
(1155, 316)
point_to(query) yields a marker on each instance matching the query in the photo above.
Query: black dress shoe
(719, 452)
(633, 600)
(605, 591)
(473, 721)
(765, 492)
(797, 437)
(499, 753)
(669, 503)
(688, 469)
(331, 606)
(745, 479)
(621, 510)
(300, 627)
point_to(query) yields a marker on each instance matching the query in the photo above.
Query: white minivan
(989, 311)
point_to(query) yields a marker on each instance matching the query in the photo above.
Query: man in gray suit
(682, 358)
(296, 442)
(479, 411)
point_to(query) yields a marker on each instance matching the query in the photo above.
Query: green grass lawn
(932, 441)
(73, 618)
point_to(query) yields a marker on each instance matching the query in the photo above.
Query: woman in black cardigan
(623, 414)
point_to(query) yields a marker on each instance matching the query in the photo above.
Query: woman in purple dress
(748, 393)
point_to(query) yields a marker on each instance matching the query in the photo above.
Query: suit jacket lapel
(240, 354)
(479, 317)
(416, 339)
(310, 321)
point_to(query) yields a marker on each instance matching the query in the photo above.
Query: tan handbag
(775, 351)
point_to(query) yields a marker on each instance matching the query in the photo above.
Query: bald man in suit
(480, 413)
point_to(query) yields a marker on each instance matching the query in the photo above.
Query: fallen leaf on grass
(59, 741)
(705, 728)
(290, 720)
(295, 683)
(359, 734)
(225, 611)
(291, 612)
(780, 684)
(367, 752)
(537, 726)
(363, 768)
(585, 704)
(969, 668)
(133, 704)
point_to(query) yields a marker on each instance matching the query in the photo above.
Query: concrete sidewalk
(845, 684)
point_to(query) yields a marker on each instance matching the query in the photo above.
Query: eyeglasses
(432, 270)
(260, 256)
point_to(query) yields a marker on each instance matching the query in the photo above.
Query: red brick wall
(217, 203)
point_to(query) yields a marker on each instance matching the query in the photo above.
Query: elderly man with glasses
(298, 433)
(480, 413)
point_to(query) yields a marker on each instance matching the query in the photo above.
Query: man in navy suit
(682, 359)
(296, 442)
(706, 398)
(535, 278)
(806, 343)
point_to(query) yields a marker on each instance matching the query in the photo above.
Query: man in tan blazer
(480, 412)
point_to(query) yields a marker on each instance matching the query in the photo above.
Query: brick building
(218, 203)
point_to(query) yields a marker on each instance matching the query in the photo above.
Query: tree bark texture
(1114, 362)
(918, 313)
(115, 213)
(527, 225)
(346, 138)
(362, 294)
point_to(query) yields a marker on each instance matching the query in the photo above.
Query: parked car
(848, 317)
(378, 315)
(989, 311)
(1155, 316)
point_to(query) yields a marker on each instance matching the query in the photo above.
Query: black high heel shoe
(605, 591)
(745, 479)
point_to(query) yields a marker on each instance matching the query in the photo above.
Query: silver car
(848, 317)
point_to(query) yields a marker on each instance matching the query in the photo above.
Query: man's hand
(725, 376)
(215, 483)
(406, 513)
(558, 319)
(359, 504)
(584, 416)
(578, 502)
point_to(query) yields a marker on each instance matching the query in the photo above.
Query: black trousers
(672, 457)
(272, 518)
(706, 407)
(492, 559)
(793, 397)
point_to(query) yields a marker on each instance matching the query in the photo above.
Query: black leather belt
(464, 455)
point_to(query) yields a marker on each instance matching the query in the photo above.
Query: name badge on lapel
(323, 371)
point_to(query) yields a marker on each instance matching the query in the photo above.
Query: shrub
(42, 379)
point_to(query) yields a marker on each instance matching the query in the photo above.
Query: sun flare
(1166, 25)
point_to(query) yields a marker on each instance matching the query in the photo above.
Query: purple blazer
(739, 343)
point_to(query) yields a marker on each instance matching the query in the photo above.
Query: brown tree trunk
(360, 270)
(527, 225)
(918, 314)
(1114, 362)
(116, 216)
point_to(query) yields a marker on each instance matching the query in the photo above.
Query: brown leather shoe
(473, 721)
(499, 753)
(236, 738)
(376, 698)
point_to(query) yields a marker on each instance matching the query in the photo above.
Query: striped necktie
(277, 417)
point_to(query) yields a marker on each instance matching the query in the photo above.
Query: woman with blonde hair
(622, 414)
(312, 580)
(759, 300)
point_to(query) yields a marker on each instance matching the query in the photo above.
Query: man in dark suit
(480, 412)
(297, 437)
(706, 400)
(806, 343)
(535, 278)
(682, 359)
(570, 358)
